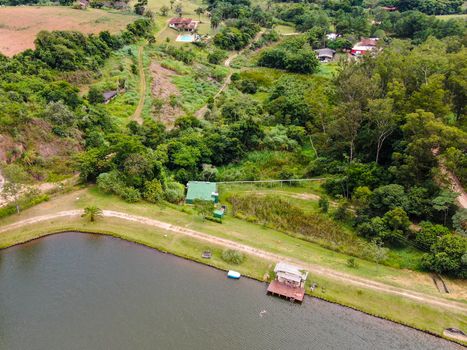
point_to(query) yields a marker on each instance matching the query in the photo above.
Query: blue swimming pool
(185, 38)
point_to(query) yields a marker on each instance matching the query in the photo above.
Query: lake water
(79, 291)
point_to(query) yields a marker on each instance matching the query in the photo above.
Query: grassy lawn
(448, 17)
(283, 29)
(386, 305)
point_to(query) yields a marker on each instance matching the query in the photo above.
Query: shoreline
(121, 236)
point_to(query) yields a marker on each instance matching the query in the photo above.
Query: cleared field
(20, 25)
(448, 17)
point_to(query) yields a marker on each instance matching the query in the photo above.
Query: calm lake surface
(79, 291)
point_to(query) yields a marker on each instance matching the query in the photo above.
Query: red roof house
(364, 45)
(180, 23)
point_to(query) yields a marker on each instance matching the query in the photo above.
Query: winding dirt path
(142, 87)
(451, 178)
(456, 185)
(317, 269)
(202, 111)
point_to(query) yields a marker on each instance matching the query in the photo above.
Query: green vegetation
(382, 129)
(92, 213)
(233, 256)
(292, 55)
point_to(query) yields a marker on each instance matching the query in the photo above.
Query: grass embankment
(426, 317)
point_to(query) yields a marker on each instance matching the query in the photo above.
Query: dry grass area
(20, 25)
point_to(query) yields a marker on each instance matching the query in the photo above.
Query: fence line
(269, 181)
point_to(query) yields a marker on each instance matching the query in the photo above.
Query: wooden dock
(284, 291)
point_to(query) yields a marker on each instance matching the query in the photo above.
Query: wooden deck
(284, 291)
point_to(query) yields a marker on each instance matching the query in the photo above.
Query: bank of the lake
(428, 317)
(91, 291)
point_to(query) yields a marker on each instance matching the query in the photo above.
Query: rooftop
(325, 52)
(109, 94)
(206, 191)
(291, 270)
(180, 20)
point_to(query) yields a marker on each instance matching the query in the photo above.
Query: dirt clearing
(164, 90)
(20, 25)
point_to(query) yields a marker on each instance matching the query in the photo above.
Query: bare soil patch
(162, 89)
(20, 25)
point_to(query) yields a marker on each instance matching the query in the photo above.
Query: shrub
(352, 263)
(129, 194)
(95, 95)
(153, 191)
(109, 182)
(174, 192)
(247, 86)
(233, 256)
(26, 202)
(323, 204)
(216, 56)
(299, 61)
(429, 234)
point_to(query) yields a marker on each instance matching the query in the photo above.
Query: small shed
(325, 55)
(289, 282)
(218, 213)
(290, 274)
(109, 95)
(206, 191)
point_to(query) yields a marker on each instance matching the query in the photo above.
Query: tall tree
(384, 121)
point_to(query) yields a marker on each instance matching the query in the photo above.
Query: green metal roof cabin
(206, 191)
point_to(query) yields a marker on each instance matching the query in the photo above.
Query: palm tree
(199, 11)
(92, 213)
(178, 9)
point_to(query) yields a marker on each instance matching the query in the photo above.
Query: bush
(95, 95)
(352, 263)
(109, 182)
(233, 256)
(448, 256)
(323, 204)
(297, 61)
(153, 191)
(429, 234)
(247, 86)
(174, 192)
(129, 194)
(216, 56)
(25, 202)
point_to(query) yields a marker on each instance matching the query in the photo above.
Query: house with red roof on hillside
(183, 24)
(364, 45)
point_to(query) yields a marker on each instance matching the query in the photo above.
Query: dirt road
(142, 87)
(317, 269)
